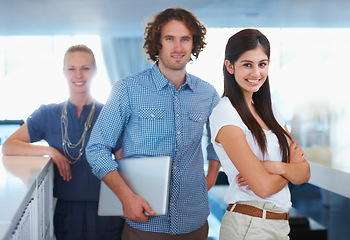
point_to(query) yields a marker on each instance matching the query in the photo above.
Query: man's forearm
(213, 169)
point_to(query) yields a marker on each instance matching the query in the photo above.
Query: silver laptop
(148, 177)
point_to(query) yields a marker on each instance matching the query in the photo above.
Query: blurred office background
(308, 74)
(310, 47)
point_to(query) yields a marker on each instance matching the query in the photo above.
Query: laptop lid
(148, 177)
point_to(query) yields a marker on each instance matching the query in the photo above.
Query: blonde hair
(80, 48)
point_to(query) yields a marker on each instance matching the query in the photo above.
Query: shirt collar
(72, 106)
(160, 81)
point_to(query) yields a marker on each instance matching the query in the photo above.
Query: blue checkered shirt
(155, 119)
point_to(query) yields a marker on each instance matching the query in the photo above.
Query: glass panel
(32, 72)
(309, 80)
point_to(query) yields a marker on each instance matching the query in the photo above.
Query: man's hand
(135, 207)
(213, 169)
(210, 181)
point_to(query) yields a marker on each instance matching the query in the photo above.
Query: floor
(327, 209)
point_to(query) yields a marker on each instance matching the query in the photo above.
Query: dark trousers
(79, 220)
(130, 233)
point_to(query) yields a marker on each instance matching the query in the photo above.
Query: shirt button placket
(178, 125)
(175, 170)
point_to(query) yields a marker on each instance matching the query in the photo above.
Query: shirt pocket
(197, 117)
(152, 122)
(195, 125)
(150, 114)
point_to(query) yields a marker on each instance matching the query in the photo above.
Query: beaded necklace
(66, 143)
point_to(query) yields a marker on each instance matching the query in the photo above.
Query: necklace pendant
(66, 143)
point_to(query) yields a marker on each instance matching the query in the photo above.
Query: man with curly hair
(161, 111)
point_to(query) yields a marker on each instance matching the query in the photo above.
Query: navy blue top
(45, 124)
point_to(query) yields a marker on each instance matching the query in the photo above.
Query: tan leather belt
(257, 212)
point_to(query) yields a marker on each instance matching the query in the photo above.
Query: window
(308, 79)
(308, 75)
(31, 72)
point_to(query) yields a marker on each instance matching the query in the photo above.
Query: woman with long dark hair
(255, 149)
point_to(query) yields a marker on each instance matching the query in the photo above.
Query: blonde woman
(66, 127)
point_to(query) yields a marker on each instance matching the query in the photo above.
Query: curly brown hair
(153, 31)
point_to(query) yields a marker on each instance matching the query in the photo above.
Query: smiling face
(79, 71)
(250, 70)
(176, 47)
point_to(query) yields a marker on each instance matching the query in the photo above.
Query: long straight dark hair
(239, 43)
